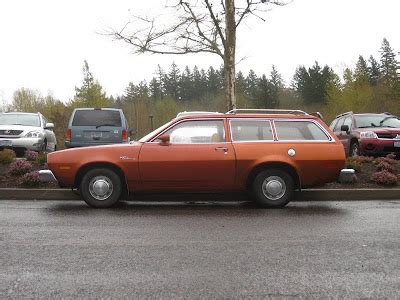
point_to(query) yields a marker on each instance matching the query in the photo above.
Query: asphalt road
(56, 249)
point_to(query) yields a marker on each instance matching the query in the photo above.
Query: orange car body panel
(224, 166)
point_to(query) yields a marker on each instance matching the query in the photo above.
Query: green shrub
(354, 163)
(41, 159)
(7, 156)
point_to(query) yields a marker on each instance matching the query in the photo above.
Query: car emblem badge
(7, 132)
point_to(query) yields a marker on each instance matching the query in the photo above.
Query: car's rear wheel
(354, 149)
(101, 188)
(273, 188)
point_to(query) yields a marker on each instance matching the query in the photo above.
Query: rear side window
(97, 118)
(251, 130)
(299, 131)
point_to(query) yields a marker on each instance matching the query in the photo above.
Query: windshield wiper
(97, 126)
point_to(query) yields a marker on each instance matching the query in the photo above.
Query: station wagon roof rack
(191, 113)
(343, 114)
(271, 111)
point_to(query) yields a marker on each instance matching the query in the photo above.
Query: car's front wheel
(101, 188)
(273, 188)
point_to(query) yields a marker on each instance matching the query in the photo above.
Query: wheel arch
(273, 165)
(102, 165)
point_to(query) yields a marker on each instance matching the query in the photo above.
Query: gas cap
(291, 152)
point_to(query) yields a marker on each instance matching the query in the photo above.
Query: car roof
(97, 108)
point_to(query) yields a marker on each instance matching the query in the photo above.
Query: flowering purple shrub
(384, 166)
(31, 179)
(31, 155)
(19, 167)
(384, 178)
(385, 159)
(391, 156)
(7, 156)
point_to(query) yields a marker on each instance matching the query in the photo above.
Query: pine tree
(251, 84)
(361, 71)
(171, 81)
(373, 71)
(388, 65)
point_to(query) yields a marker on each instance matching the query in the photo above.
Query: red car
(268, 153)
(368, 133)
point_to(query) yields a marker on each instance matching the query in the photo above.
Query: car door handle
(222, 149)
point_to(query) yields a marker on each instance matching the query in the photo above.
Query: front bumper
(35, 144)
(379, 146)
(47, 176)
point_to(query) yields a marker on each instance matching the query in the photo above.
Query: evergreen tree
(276, 83)
(171, 81)
(388, 65)
(265, 95)
(214, 81)
(312, 84)
(361, 73)
(186, 84)
(373, 71)
(240, 83)
(251, 84)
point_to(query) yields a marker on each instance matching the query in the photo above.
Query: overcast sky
(44, 42)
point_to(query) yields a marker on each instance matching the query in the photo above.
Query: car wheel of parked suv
(273, 188)
(354, 149)
(101, 188)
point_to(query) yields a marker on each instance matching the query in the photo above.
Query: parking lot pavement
(202, 250)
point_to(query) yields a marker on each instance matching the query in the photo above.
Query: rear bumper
(47, 176)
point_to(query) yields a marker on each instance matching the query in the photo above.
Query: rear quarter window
(251, 130)
(97, 118)
(299, 131)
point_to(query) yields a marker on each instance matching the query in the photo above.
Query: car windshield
(20, 119)
(377, 121)
(154, 132)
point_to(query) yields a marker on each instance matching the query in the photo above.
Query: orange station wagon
(267, 153)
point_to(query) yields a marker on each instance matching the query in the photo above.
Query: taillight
(68, 135)
(124, 135)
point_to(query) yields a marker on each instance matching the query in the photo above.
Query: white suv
(26, 131)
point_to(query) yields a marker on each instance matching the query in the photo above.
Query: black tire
(102, 178)
(354, 149)
(280, 185)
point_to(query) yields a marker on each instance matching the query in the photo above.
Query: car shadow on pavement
(196, 208)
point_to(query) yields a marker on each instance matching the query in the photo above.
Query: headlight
(34, 134)
(368, 135)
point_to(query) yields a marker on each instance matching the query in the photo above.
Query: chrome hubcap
(274, 187)
(100, 187)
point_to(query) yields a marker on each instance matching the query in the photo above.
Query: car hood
(96, 153)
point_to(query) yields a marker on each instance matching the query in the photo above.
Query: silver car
(26, 131)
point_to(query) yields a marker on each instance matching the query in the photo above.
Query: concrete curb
(305, 195)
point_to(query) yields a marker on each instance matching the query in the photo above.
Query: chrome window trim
(186, 120)
(328, 135)
(254, 120)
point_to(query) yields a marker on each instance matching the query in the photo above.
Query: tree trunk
(229, 54)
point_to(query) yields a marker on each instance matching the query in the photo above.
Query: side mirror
(49, 126)
(345, 128)
(164, 139)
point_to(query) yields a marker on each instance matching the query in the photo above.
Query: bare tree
(200, 26)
